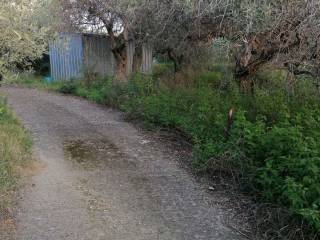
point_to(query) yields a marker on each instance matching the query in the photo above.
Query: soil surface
(102, 178)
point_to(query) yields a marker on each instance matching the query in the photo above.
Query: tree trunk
(123, 48)
(246, 85)
(137, 60)
(121, 69)
(177, 61)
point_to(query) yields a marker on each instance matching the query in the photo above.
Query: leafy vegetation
(15, 151)
(23, 38)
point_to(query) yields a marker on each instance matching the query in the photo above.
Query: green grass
(15, 151)
(29, 80)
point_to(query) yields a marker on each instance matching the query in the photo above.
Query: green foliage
(162, 69)
(282, 164)
(68, 88)
(23, 38)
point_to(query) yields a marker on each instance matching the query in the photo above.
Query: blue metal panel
(66, 57)
(71, 55)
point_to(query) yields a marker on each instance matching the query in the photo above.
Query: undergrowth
(271, 145)
(15, 151)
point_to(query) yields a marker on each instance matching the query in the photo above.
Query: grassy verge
(32, 81)
(15, 151)
(270, 146)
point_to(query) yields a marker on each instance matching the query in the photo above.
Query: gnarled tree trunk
(261, 48)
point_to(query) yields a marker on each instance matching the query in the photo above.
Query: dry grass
(15, 151)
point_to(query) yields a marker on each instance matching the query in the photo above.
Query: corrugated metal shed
(98, 57)
(72, 55)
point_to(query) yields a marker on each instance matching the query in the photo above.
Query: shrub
(272, 146)
(68, 88)
(282, 165)
(162, 70)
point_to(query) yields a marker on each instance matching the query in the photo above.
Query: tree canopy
(22, 38)
(259, 31)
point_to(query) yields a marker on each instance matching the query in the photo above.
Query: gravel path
(104, 179)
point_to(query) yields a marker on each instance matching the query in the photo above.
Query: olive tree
(284, 32)
(261, 31)
(177, 28)
(22, 38)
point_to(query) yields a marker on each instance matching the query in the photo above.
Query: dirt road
(101, 178)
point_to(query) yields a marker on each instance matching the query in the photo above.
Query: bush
(162, 70)
(282, 165)
(273, 144)
(68, 88)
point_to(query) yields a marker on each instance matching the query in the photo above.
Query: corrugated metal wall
(147, 58)
(72, 55)
(130, 56)
(66, 59)
(98, 57)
